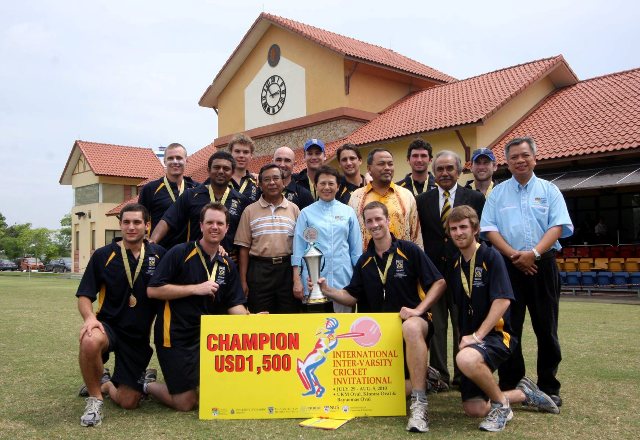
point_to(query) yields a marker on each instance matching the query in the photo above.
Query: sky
(132, 72)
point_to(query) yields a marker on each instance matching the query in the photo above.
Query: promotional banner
(299, 366)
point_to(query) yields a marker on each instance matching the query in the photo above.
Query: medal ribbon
(212, 274)
(467, 285)
(170, 191)
(212, 196)
(312, 188)
(383, 276)
(127, 269)
(413, 185)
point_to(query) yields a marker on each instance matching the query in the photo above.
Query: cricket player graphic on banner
(301, 368)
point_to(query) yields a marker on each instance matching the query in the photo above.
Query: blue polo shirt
(156, 198)
(490, 282)
(410, 276)
(178, 320)
(186, 211)
(105, 279)
(523, 213)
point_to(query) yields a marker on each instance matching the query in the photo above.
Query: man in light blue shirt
(524, 217)
(339, 236)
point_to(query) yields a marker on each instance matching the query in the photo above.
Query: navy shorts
(494, 352)
(132, 357)
(180, 367)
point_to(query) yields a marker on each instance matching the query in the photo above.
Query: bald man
(284, 157)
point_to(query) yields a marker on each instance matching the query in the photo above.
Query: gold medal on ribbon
(127, 269)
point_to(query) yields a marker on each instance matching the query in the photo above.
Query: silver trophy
(313, 259)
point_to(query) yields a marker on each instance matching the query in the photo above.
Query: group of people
(425, 247)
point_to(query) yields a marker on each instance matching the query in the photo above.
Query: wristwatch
(536, 253)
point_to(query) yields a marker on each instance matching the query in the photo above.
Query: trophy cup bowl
(313, 260)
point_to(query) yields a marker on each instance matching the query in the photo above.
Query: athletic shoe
(535, 398)
(150, 375)
(92, 412)
(435, 384)
(106, 377)
(556, 399)
(497, 418)
(419, 419)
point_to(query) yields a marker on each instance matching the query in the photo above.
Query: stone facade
(327, 132)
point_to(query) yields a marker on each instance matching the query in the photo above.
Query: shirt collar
(217, 257)
(265, 204)
(369, 187)
(517, 186)
(452, 191)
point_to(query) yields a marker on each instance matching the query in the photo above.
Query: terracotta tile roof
(351, 47)
(116, 210)
(197, 163)
(449, 105)
(598, 115)
(115, 160)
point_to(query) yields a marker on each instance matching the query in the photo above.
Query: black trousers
(540, 293)
(271, 286)
(438, 346)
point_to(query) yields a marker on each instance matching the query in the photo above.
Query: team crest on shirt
(233, 209)
(290, 196)
(151, 265)
(477, 276)
(222, 271)
(400, 273)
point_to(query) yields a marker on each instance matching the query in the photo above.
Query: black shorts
(132, 357)
(494, 352)
(180, 367)
(427, 340)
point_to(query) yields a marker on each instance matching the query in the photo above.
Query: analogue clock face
(274, 92)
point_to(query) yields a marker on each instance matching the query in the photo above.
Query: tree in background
(22, 240)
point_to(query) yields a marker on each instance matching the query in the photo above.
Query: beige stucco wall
(323, 75)
(513, 111)
(374, 93)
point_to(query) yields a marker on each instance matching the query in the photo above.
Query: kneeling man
(117, 276)
(192, 280)
(482, 291)
(393, 276)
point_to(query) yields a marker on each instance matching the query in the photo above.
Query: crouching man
(117, 276)
(192, 280)
(393, 276)
(482, 291)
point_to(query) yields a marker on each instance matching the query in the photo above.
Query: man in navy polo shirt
(393, 276)
(293, 191)
(193, 280)
(482, 291)
(158, 195)
(186, 210)
(117, 276)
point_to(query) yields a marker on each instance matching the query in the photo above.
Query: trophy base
(321, 300)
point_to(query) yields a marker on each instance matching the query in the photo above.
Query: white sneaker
(92, 412)
(419, 419)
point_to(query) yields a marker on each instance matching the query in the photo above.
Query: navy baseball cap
(483, 152)
(314, 143)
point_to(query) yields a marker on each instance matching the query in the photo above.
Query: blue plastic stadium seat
(588, 279)
(573, 279)
(563, 278)
(634, 278)
(604, 278)
(620, 279)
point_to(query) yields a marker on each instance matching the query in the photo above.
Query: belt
(273, 260)
(549, 254)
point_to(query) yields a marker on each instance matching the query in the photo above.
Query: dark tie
(446, 210)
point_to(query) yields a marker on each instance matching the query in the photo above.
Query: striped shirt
(267, 230)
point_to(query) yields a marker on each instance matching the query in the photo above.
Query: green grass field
(39, 379)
